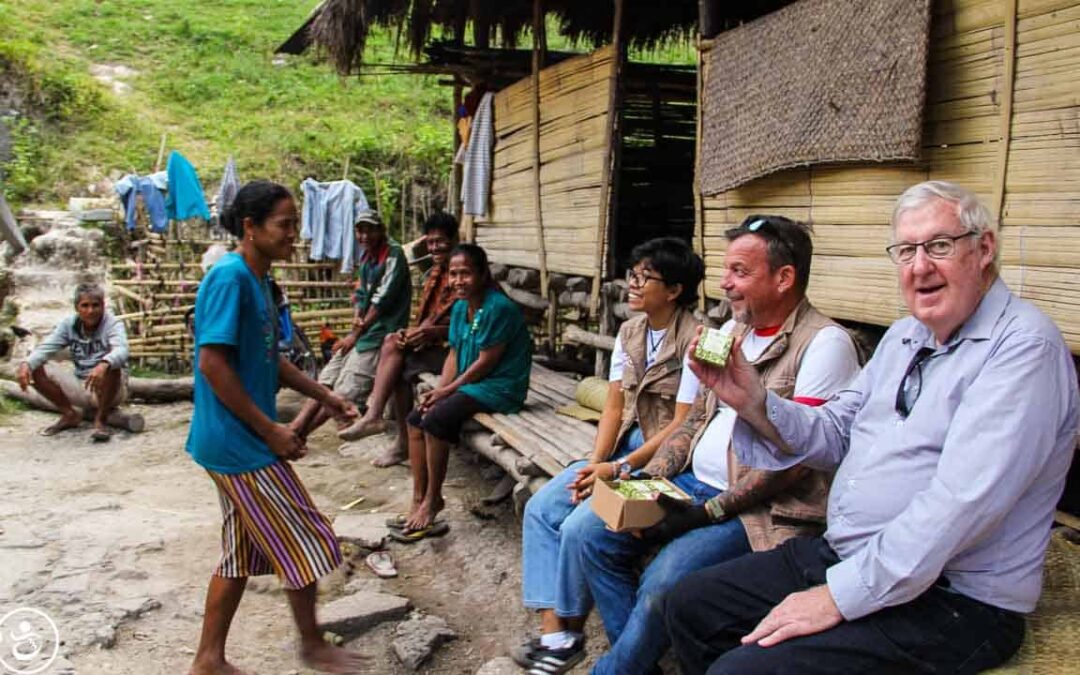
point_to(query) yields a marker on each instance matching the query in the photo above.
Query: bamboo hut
(999, 112)
(593, 153)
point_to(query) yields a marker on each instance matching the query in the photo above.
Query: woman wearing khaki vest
(649, 395)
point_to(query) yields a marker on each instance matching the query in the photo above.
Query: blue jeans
(629, 607)
(552, 532)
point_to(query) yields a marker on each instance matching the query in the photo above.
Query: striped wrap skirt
(271, 526)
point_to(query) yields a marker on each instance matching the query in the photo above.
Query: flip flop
(100, 435)
(436, 529)
(398, 522)
(382, 564)
(56, 428)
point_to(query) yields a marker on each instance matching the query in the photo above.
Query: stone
(353, 614)
(133, 608)
(366, 529)
(416, 639)
(504, 665)
(96, 215)
(92, 629)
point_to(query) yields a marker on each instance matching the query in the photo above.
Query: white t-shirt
(688, 382)
(828, 365)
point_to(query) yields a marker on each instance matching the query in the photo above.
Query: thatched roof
(339, 28)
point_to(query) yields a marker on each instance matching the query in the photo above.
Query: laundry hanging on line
(185, 199)
(330, 209)
(476, 175)
(131, 187)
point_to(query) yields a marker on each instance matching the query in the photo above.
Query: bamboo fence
(153, 290)
(1001, 118)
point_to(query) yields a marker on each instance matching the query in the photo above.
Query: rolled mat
(590, 395)
(1052, 642)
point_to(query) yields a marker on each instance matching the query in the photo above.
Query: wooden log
(499, 271)
(525, 298)
(579, 299)
(120, 419)
(161, 390)
(583, 337)
(523, 277)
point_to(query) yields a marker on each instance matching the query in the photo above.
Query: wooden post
(160, 153)
(453, 200)
(538, 39)
(606, 172)
(1008, 81)
(699, 202)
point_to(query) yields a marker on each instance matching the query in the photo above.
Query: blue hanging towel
(185, 199)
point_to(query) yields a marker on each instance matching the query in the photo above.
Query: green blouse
(498, 321)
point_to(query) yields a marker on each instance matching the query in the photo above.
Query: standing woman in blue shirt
(487, 370)
(270, 525)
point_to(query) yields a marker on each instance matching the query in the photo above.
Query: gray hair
(970, 210)
(88, 288)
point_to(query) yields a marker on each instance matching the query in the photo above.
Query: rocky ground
(116, 541)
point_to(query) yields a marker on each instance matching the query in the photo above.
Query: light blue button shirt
(966, 485)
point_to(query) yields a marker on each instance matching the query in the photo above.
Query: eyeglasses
(911, 383)
(937, 248)
(640, 278)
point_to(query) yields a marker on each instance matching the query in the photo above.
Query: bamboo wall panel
(573, 115)
(850, 206)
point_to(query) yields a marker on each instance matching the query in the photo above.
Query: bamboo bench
(536, 443)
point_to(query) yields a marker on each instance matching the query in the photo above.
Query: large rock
(504, 665)
(366, 529)
(417, 638)
(353, 614)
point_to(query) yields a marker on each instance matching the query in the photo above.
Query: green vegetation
(10, 407)
(207, 78)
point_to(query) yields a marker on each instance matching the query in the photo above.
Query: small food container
(631, 504)
(714, 346)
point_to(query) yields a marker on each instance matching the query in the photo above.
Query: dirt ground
(97, 535)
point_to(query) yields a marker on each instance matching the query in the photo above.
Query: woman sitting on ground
(487, 370)
(650, 392)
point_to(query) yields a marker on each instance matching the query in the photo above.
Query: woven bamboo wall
(966, 103)
(573, 115)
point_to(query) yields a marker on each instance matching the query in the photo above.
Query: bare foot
(362, 428)
(424, 515)
(215, 668)
(68, 420)
(392, 454)
(326, 658)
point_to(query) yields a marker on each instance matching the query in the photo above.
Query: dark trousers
(939, 632)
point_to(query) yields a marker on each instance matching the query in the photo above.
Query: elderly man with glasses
(950, 449)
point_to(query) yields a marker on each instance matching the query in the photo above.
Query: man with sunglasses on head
(951, 450)
(799, 354)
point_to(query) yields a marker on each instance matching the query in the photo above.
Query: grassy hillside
(206, 77)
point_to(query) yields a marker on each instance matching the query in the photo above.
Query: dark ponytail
(256, 200)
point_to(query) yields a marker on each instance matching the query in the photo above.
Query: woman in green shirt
(487, 370)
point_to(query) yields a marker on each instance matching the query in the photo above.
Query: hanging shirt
(234, 308)
(327, 220)
(185, 199)
(476, 173)
(498, 321)
(131, 187)
(383, 281)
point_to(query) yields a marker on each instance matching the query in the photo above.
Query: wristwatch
(623, 467)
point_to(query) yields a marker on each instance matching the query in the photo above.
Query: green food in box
(714, 346)
(644, 489)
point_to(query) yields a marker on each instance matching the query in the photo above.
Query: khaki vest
(649, 395)
(800, 509)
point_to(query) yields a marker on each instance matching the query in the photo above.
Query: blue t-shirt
(498, 321)
(234, 308)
